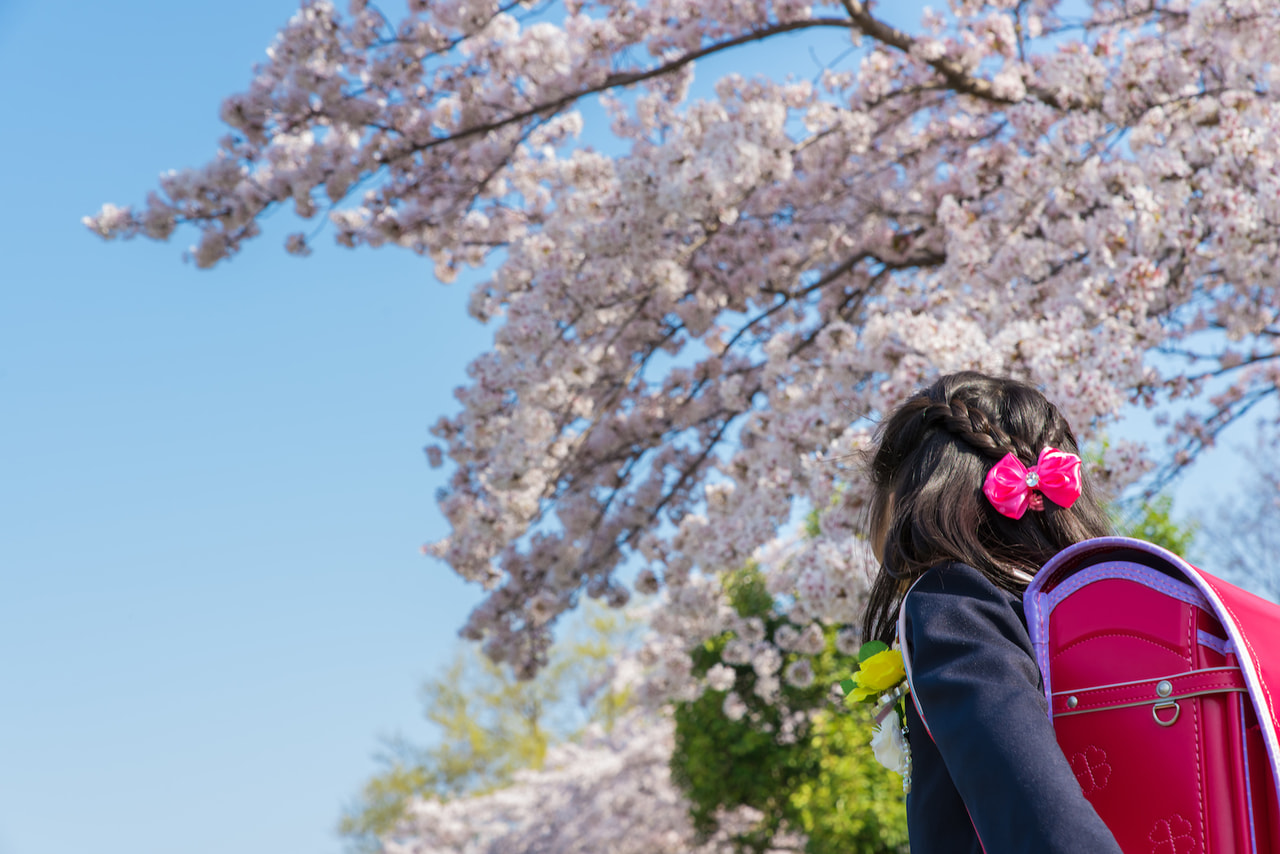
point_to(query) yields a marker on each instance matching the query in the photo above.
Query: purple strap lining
(1222, 646)
(1248, 784)
(1128, 571)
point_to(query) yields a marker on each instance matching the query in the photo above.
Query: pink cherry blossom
(696, 330)
(611, 792)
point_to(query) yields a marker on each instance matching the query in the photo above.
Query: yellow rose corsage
(880, 671)
(881, 678)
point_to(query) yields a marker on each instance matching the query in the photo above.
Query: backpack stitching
(1195, 723)
(1164, 646)
(1266, 691)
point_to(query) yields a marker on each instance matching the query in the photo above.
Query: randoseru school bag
(1163, 685)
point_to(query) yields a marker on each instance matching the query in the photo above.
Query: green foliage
(813, 523)
(491, 725)
(382, 803)
(824, 781)
(748, 595)
(1154, 523)
(852, 804)
(724, 763)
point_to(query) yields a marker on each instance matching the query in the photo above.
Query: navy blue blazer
(989, 753)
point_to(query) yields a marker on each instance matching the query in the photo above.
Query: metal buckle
(1177, 710)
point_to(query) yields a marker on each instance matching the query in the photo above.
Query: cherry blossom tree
(695, 335)
(613, 792)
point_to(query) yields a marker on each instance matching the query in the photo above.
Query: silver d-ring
(1177, 710)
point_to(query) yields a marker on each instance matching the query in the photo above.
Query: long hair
(933, 455)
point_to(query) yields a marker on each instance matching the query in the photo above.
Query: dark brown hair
(933, 455)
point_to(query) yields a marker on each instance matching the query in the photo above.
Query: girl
(977, 484)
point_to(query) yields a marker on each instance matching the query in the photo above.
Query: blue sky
(212, 489)
(212, 485)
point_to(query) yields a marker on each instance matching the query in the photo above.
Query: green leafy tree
(819, 778)
(1154, 523)
(491, 724)
(853, 804)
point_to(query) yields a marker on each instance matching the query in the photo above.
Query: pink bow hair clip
(1011, 487)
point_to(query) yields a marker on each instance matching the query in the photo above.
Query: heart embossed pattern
(1091, 769)
(1172, 836)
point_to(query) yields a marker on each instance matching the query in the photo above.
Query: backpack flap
(1129, 637)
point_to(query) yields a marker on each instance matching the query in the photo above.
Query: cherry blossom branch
(957, 77)
(618, 80)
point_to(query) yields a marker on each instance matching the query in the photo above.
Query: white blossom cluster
(609, 793)
(814, 582)
(694, 337)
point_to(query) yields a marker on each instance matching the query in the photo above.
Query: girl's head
(928, 471)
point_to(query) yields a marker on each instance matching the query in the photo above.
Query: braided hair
(933, 455)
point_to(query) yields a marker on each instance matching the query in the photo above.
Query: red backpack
(1164, 690)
